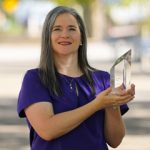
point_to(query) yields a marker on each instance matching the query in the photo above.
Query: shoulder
(32, 91)
(31, 77)
(32, 73)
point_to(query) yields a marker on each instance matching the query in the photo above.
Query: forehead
(66, 19)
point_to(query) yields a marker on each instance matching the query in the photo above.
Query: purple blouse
(89, 135)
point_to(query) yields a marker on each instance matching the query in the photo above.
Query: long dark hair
(47, 69)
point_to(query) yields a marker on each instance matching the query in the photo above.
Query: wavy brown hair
(47, 69)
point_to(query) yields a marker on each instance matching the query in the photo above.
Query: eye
(72, 29)
(56, 29)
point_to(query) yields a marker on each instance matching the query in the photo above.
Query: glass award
(120, 72)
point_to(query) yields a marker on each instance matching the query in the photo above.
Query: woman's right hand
(107, 99)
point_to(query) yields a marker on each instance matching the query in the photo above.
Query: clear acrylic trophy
(120, 72)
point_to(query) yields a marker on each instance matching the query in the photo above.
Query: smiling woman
(67, 103)
(65, 37)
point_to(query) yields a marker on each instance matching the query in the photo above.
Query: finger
(122, 98)
(121, 87)
(132, 85)
(120, 90)
(131, 91)
(130, 99)
(126, 100)
(107, 91)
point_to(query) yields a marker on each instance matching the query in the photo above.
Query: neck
(68, 65)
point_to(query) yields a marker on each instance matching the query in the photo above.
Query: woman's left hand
(131, 91)
(122, 91)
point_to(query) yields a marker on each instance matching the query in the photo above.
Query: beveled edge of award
(126, 57)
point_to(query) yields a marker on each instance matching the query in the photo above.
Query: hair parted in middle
(47, 69)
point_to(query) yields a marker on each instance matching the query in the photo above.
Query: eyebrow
(58, 26)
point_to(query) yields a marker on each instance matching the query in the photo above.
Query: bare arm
(50, 126)
(114, 125)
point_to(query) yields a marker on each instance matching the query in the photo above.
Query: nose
(65, 34)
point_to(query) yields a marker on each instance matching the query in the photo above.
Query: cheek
(77, 39)
(53, 39)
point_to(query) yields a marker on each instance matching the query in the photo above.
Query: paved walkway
(14, 132)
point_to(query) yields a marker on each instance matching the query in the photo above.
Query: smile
(64, 43)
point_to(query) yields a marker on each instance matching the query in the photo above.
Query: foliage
(85, 2)
(65, 2)
(128, 2)
(71, 2)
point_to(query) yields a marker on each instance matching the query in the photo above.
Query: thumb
(107, 91)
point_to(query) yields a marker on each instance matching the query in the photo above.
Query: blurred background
(113, 27)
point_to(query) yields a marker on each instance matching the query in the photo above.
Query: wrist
(115, 107)
(97, 104)
(112, 110)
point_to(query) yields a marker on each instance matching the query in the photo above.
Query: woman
(67, 103)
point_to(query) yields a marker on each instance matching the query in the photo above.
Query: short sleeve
(106, 76)
(32, 91)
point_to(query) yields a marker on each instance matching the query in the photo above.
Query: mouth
(64, 43)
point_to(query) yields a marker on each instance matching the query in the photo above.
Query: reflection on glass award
(120, 72)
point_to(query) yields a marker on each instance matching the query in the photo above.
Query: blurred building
(126, 29)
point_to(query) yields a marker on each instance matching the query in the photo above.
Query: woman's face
(65, 36)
